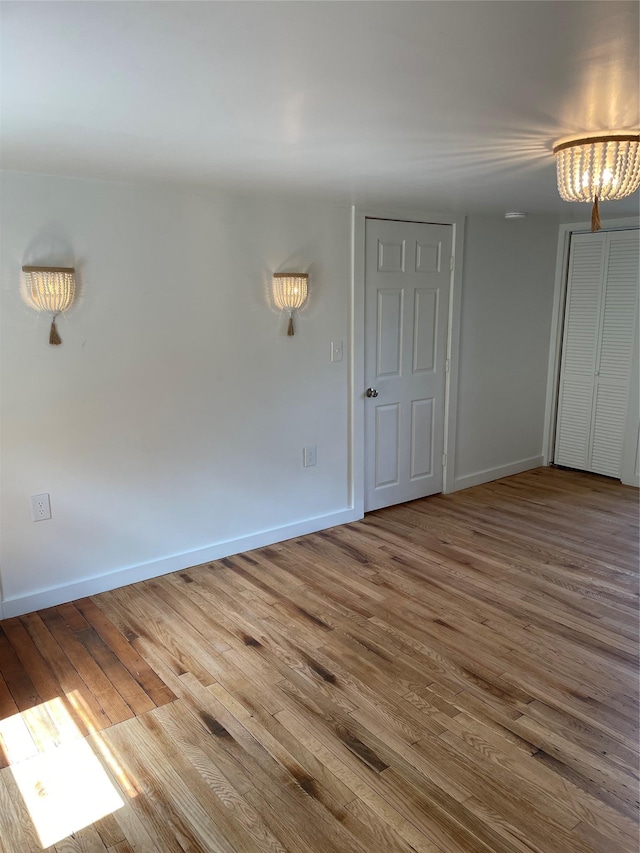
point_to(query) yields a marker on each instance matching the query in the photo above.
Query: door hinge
(452, 264)
(444, 460)
(447, 365)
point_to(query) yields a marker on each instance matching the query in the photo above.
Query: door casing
(357, 375)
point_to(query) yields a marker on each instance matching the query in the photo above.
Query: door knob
(371, 392)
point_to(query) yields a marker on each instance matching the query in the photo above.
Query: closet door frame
(565, 232)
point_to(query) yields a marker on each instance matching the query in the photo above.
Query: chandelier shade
(290, 292)
(598, 168)
(51, 289)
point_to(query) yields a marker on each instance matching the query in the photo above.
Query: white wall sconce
(290, 291)
(51, 289)
(598, 168)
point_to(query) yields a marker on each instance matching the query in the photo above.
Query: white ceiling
(438, 105)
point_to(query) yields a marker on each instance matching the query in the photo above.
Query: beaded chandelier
(598, 168)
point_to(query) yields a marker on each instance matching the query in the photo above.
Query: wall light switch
(40, 507)
(336, 350)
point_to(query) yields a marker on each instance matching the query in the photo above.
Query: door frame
(565, 232)
(357, 329)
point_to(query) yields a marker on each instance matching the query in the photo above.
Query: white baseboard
(490, 474)
(91, 586)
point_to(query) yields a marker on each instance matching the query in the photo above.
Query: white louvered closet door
(600, 325)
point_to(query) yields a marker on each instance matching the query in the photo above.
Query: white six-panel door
(407, 278)
(600, 323)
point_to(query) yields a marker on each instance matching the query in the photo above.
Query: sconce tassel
(290, 327)
(54, 337)
(596, 225)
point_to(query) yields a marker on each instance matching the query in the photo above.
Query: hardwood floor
(454, 675)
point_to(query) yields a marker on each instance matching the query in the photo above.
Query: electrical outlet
(309, 456)
(336, 350)
(40, 507)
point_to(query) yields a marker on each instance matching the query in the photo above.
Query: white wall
(169, 426)
(507, 296)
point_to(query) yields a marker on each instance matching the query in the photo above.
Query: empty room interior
(319, 426)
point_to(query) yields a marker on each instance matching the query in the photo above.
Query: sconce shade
(598, 168)
(51, 289)
(290, 292)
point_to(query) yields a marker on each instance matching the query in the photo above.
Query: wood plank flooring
(454, 675)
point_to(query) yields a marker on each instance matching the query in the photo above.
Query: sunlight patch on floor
(65, 789)
(100, 745)
(62, 782)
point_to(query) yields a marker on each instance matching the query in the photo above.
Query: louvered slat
(618, 322)
(583, 306)
(574, 424)
(608, 429)
(579, 350)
